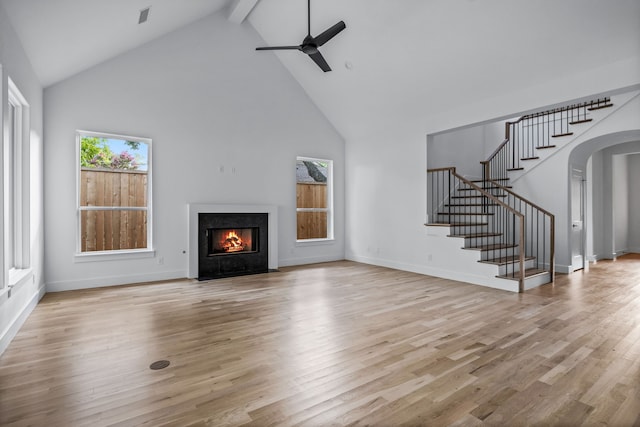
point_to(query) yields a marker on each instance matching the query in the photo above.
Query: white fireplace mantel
(197, 208)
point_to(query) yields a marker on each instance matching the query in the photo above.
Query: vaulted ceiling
(64, 37)
(413, 59)
(396, 62)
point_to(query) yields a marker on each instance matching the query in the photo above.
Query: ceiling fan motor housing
(310, 44)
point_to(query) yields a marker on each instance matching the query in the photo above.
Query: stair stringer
(581, 133)
(450, 261)
(548, 182)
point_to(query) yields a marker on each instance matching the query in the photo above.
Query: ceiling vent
(144, 15)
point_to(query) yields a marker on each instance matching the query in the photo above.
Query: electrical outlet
(160, 260)
(429, 258)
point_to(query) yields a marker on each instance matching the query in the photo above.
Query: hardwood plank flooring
(332, 344)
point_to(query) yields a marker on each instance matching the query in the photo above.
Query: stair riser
(469, 229)
(498, 253)
(468, 209)
(480, 241)
(468, 191)
(458, 217)
(535, 281)
(510, 268)
(473, 199)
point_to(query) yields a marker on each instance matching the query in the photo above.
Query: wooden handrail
(451, 168)
(552, 223)
(488, 195)
(520, 231)
(522, 218)
(502, 187)
(585, 104)
(521, 240)
(496, 151)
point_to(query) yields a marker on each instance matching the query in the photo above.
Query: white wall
(620, 203)
(208, 101)
(613, 217)
(386, 189)
(594, 223)
(547, 183)
(464, 148)
(14, 64)
(634, 203)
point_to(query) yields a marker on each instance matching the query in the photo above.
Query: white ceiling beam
(240, 9)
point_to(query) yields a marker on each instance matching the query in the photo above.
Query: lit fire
(232, 243)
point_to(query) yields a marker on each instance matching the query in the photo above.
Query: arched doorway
(610, 163)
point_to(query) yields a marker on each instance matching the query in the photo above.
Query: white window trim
(329, 209)
(118, 254)
(19, 194)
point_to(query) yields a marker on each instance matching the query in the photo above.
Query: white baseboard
(308, 260)
(10, 332)
(100, 282)
(619, 252)
(502, 284)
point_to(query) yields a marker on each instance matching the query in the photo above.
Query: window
(314, 199)
(16, 188)
(114, 194)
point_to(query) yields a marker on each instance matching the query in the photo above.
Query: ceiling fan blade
(318, 59)
(327, 35)
(280, 48)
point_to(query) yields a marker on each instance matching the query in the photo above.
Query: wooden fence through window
(109, 229)
(311, 225)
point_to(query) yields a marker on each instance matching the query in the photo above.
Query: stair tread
(530, 272)
(575, 122)
(484, 188)
(480, 195)
(471, 235)
(491, 187)
(458, 224)
(542, 147)
(597, 107)
(558, 135)
(492, 247)
(464, 213)
(493, 179)
(515, 169)
(530, 158)
(471, 204)
(506, 260)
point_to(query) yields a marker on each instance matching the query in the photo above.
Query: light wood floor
(332, 344)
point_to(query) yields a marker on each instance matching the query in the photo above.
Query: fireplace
(270, 242)
(232, 244)
(225, 241)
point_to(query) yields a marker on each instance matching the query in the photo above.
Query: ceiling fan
(311, 44)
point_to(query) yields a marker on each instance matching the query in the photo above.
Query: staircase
(510, 237)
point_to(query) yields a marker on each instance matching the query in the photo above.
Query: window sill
(314, 242)
(113, 255)
(19, 276)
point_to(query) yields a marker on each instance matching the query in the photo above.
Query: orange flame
(233, 243)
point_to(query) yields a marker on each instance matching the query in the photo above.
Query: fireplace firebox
(224, 241)
(232, 244)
